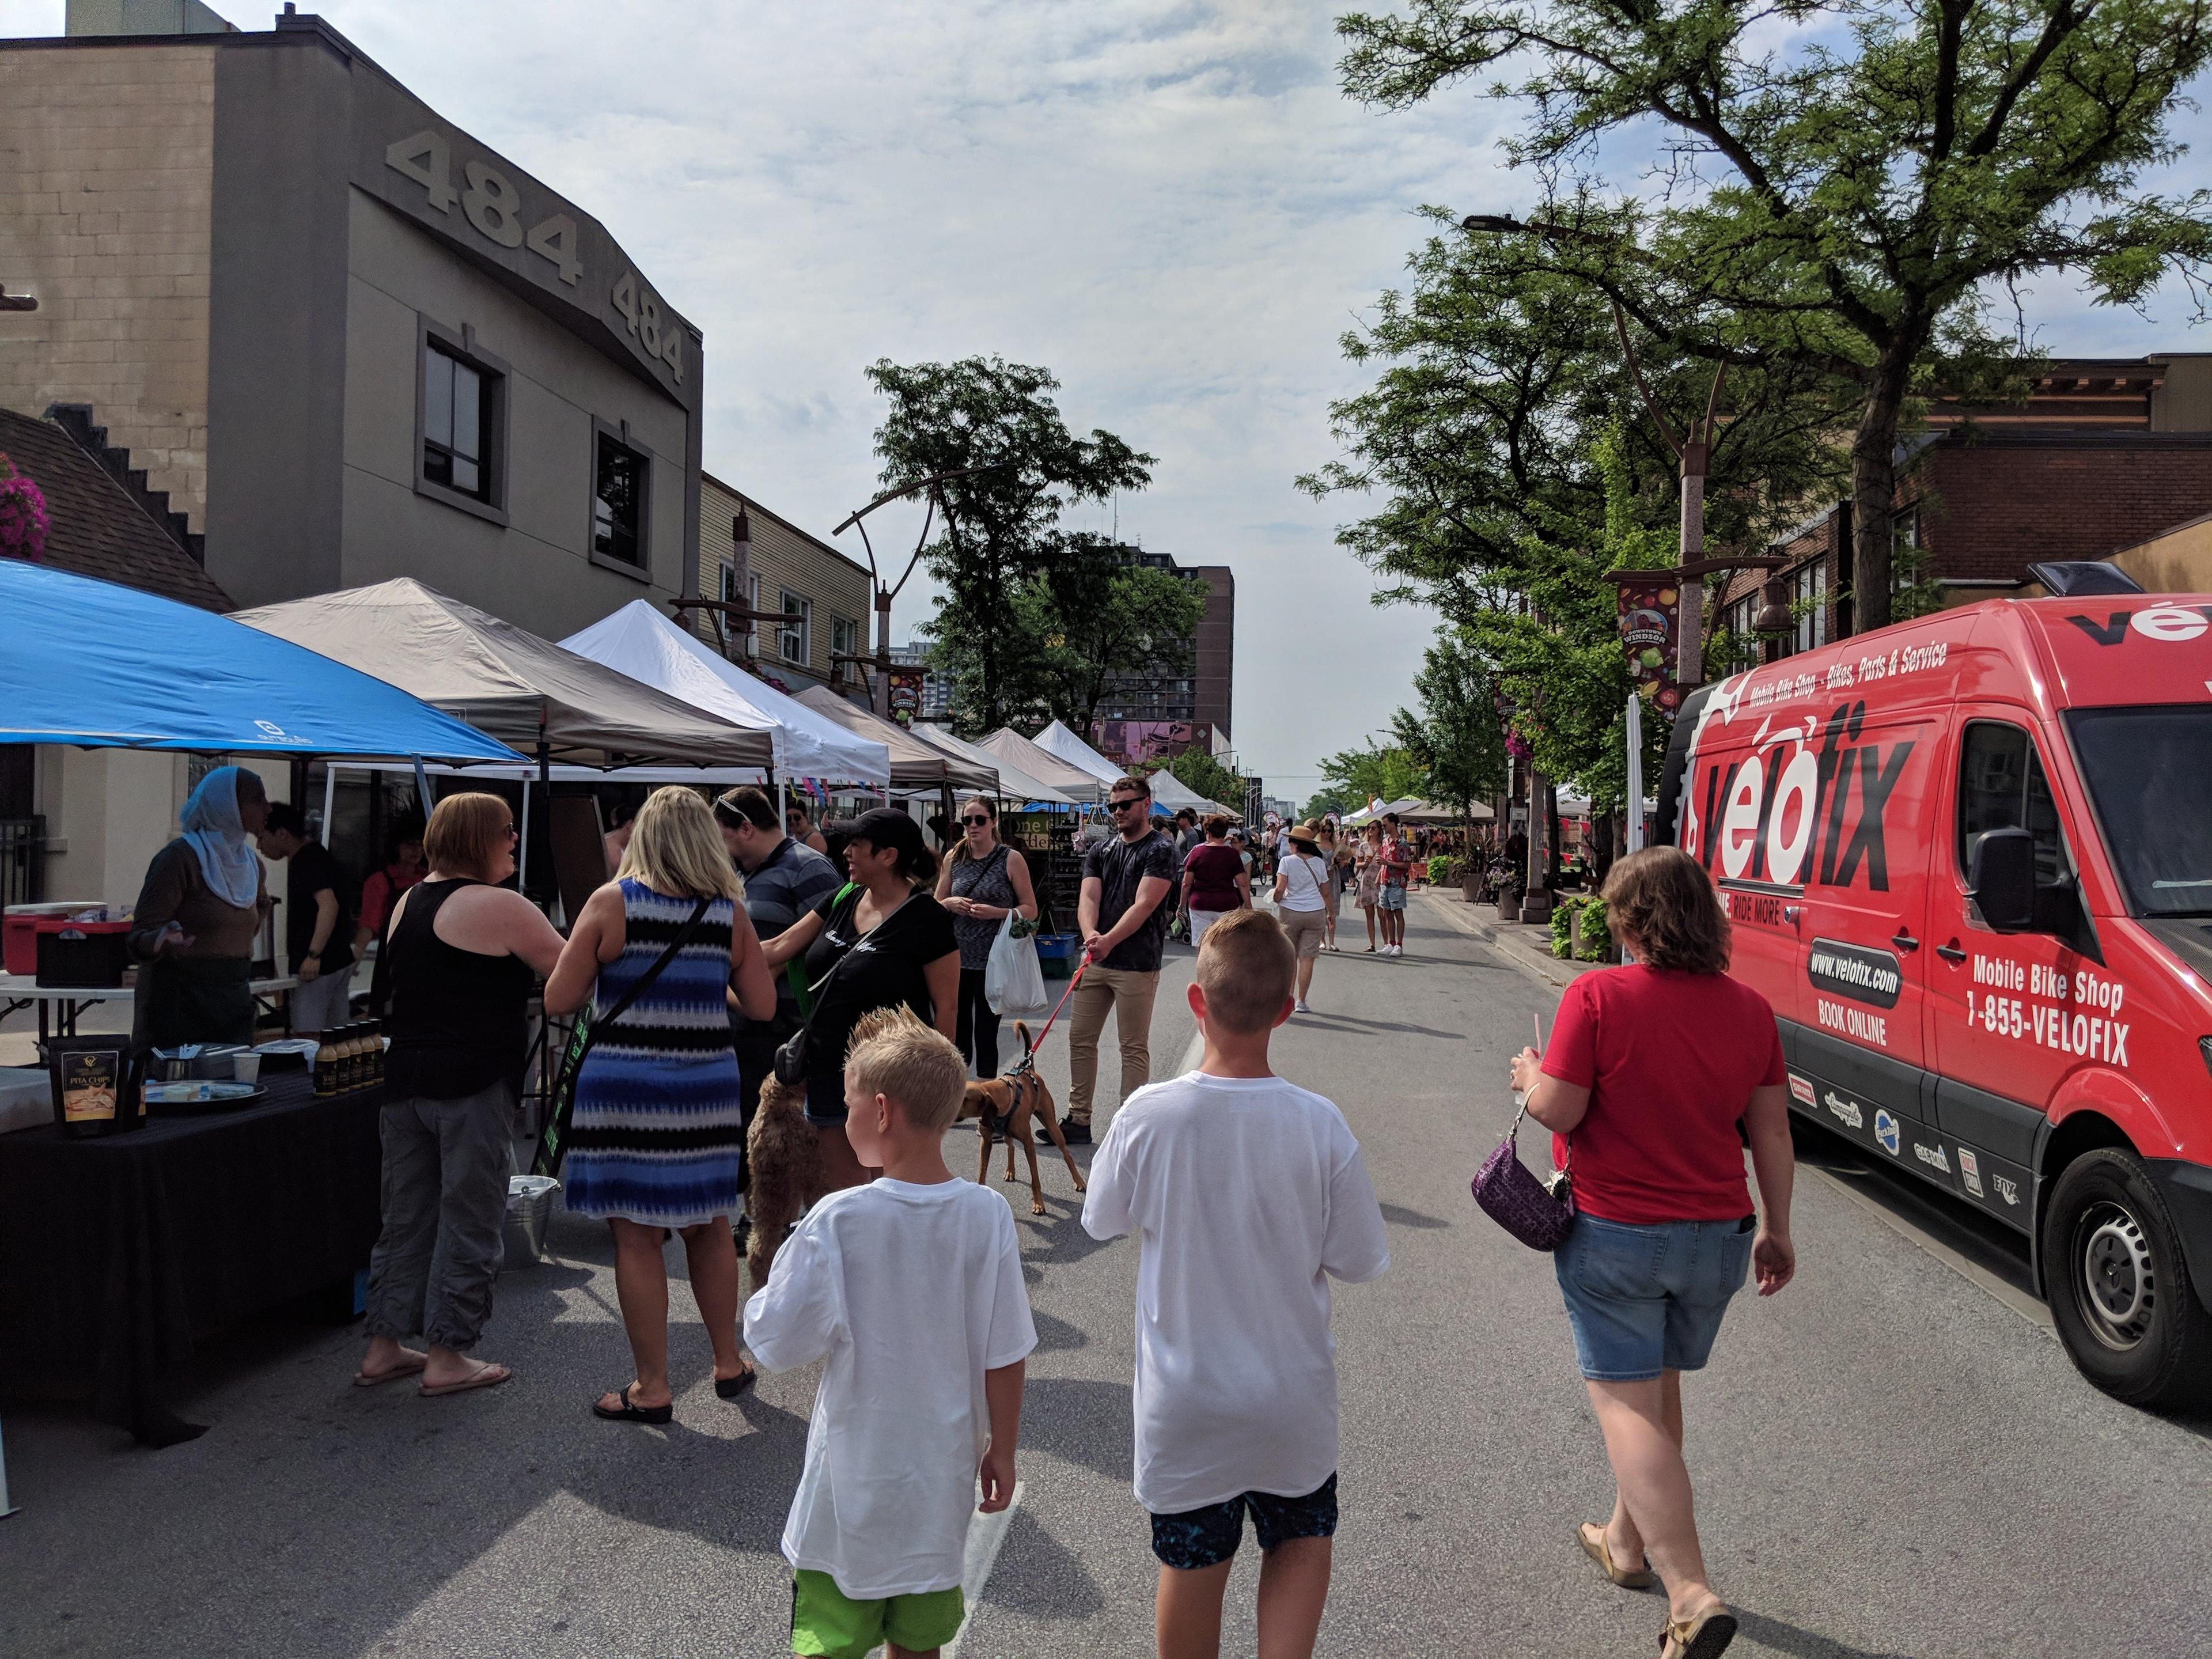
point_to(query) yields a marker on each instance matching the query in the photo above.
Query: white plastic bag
(1014, 983)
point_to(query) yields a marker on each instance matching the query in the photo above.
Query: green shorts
(825, 1620)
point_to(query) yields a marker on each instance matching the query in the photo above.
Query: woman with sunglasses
(461, 957)
(983, 883)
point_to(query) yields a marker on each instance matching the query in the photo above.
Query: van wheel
(2120, 1292)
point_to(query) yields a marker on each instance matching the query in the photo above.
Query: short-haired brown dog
(1007, 1109)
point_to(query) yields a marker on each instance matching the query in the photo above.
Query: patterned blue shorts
(1207, 1537)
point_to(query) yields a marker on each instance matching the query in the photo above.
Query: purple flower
(23, 518)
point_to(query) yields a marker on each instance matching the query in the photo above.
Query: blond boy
(910, 1289)
(1248, 1195)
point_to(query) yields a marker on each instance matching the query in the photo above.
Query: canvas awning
(1081, 787)
(915, 764)
(1060, 740)
(1014, 783)
(1172, 792)
(639, 641)
(101, 666)
(506, 681)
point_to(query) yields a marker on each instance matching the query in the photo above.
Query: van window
(2002, 786)
(2149, 775)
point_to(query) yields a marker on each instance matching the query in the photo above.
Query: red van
(1968, 859)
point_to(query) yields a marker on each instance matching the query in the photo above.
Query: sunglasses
(513, 834)
(976, 818)
(1125, 804)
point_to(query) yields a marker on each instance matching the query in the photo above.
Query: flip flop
(729, 1387)
(1706, 1637)
(367, 1379)
(1594, 1547)
(489, 1377)
(630, 1413)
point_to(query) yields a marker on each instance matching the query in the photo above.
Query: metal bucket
(529, 1204)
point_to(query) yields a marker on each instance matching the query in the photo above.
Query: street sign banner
(1650, 614)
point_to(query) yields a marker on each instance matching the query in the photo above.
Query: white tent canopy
(506, 681)
(639, 641)
(915, 764)
(1014, 783)
(1172, 792)
(1059, 740)
(1081, 787)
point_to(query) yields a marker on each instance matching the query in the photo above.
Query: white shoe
(1300, 1008)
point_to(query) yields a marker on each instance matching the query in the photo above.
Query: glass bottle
(326, 1065)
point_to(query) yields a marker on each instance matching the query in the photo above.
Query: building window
(460, 422)
(795, 642)
(456, 422)
(1808, 593)
(618, 501)
(844, 636)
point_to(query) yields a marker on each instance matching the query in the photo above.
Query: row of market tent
(397, 676)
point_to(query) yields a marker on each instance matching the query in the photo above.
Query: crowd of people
(727, 949)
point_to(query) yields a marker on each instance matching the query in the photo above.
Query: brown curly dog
(786, 1171)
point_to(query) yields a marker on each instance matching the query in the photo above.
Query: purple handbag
(1537, 1212)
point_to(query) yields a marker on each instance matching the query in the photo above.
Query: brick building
(346, 339)
(2103, 455)
(1206, 697)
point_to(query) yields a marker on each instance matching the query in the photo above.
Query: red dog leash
(1030, 1058)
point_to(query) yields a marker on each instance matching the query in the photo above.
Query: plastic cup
(246, 1067)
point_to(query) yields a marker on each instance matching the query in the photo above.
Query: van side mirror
(2002, 880)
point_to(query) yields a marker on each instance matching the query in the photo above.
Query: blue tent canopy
(101, 666)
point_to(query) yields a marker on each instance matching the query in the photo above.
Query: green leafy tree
(1333, 799)
(1455, 737)
(1842, 184)
(1107, 624)
(1196, 769)
(999, 526)
(1495, 386)
(1374, 771)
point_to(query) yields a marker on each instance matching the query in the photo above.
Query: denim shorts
(1196, 1539)
(1647, 1297)
(1394, 896)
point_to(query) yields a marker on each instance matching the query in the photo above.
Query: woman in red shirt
(1215, 879)
(1652, 1068)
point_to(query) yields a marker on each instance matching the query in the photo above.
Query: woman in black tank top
(458, 1025)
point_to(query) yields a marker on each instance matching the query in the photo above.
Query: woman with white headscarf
(198, 915)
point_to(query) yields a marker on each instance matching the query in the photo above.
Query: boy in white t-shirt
(1249, 1194)
(911, 1289)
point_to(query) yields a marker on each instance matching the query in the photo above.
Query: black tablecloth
(118, 1254)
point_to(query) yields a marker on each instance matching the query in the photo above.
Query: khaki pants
(1128, 996)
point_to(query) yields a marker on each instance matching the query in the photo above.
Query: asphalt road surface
(1893, 1458)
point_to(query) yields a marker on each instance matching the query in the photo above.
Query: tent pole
(522, 844)
(329, 794)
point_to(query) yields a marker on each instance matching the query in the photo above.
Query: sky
(1167, 203)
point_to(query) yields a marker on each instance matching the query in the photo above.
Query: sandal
(369, 1379)
(487, 1377)
(1706, 1637)
(630, 1413)
(729, 1387)
(1594, 1547)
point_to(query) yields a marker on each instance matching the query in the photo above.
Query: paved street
(1892, 1457)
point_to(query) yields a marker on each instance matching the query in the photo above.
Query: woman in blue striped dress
(657, 1130)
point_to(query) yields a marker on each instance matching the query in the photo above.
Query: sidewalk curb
(1513, 946)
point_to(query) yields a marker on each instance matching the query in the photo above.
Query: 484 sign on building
(500, 217)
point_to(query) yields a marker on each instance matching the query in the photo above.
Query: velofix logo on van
(1858, 971)
(2169, 625)
(1809, 804)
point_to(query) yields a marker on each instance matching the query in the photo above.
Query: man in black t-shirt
(317, 921)
(1123, 915)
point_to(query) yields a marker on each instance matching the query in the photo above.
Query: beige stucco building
(751, 557)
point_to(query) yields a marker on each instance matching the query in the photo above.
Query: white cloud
(1168, 205)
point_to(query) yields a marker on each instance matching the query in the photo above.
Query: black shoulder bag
(553, 1144)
